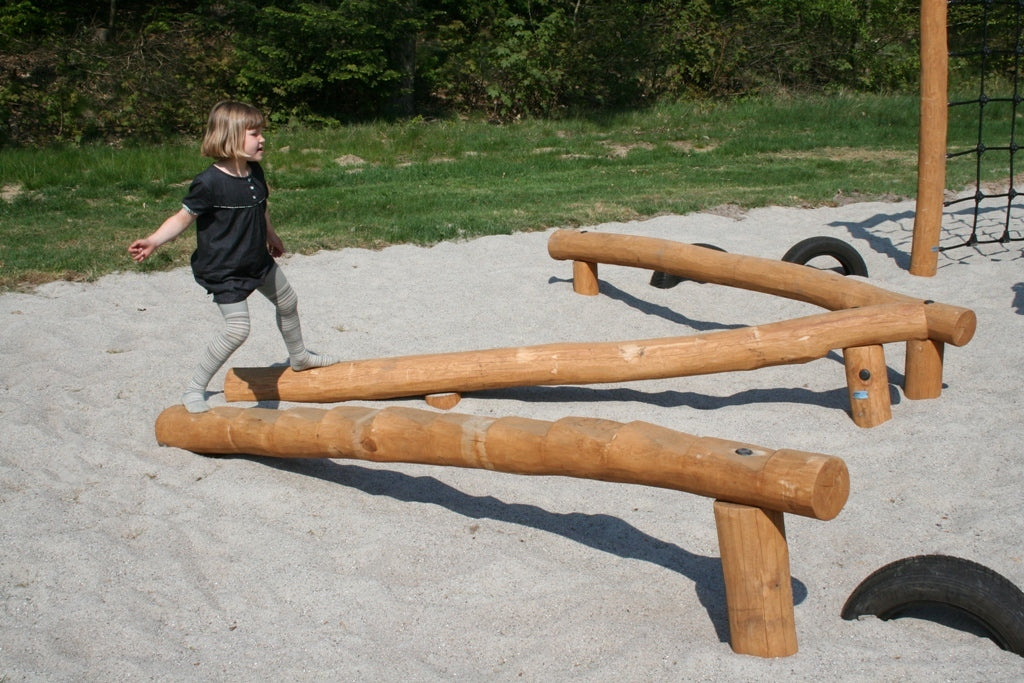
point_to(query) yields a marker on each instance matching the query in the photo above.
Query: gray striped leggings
(236, 330)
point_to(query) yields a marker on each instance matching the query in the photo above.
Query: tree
(345, 58)
(111, 69)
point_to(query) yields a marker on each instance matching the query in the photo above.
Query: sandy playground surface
(121, 559)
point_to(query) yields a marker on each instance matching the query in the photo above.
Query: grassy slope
(70, 212)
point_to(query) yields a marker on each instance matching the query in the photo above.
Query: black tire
(668, 281)
(849, 260)
(972, 589)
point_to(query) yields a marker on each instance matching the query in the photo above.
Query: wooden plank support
(445, 401)
(758, 587)
(791, 341)
(808, 484)
(584, 278)
(947, 324)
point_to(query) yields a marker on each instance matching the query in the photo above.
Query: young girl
(236, 244)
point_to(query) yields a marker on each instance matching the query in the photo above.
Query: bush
(69, 74)
(158, 81)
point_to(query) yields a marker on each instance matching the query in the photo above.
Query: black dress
(231, 258)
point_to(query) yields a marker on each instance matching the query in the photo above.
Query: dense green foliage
(111, 70)
(130, 69)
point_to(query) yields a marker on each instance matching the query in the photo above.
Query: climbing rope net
(986, 50)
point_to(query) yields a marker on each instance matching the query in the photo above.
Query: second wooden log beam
(790, 341)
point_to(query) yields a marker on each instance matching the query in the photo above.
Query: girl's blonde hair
(225, 130)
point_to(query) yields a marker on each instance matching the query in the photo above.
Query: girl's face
(252, 144)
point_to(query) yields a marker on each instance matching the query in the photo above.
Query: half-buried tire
(989, 599)
(811, 248)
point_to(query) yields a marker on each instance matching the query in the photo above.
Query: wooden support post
(923, 375)
(758, 587)
(931, 152)
(584, 278)
(867, 379)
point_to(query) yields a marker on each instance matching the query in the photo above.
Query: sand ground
(121, 559)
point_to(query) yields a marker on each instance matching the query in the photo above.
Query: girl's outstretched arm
(171, 228)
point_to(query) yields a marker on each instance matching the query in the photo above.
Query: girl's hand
(168, 230)
(140, 249)
(274, 244)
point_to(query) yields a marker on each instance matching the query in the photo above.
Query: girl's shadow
(605, 533)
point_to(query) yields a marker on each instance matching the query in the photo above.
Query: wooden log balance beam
(946, 324)
(752, 487)
(799, 340)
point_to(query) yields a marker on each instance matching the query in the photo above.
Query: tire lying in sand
(806, 250)
(992, 601)
(668, 281)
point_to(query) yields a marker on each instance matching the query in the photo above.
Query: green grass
(70, 212)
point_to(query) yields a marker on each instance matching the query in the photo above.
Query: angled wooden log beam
(809, 484)
(946, 323)
(791, 341)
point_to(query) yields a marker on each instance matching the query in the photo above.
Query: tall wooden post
(931, 153)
